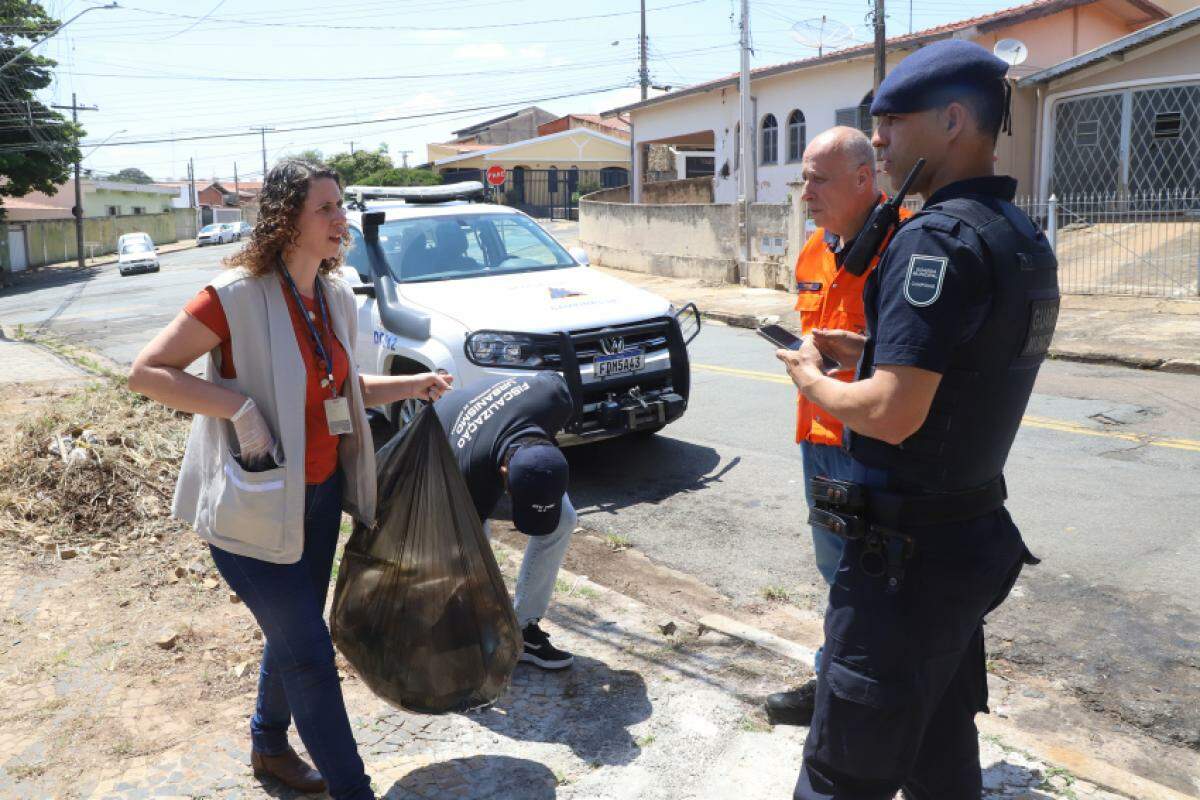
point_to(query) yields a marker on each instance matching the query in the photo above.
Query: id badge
(337, 414)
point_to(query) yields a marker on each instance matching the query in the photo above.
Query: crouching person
(502, 434)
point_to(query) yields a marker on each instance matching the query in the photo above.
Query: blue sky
(161, 69)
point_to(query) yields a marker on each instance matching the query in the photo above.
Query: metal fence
(1123, 244)
(546, 193)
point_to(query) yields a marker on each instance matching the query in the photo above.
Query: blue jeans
(298, 678)
(831, 462)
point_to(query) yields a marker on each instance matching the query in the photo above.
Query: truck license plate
(626, 362)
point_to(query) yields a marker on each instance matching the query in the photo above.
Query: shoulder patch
(923, 281)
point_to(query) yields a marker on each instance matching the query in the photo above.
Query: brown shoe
(289, 769)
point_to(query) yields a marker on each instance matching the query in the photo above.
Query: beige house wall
(1179, 59)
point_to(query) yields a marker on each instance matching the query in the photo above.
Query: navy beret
(920, 81)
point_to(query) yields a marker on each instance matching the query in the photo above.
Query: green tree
(399, 176)
(131, 175)
(313, 155)
(355, 167)
(38, 146)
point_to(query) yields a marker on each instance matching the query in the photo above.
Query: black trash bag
(420, 609)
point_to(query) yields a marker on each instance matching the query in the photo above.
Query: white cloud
(481, 51)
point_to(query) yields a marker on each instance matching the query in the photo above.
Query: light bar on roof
(463, 190)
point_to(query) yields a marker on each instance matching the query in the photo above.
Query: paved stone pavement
(641, 716)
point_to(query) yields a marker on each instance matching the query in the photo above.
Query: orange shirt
(829, 297)
(320, 446)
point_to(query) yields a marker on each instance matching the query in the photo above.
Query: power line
(495, 25)
(428, 115)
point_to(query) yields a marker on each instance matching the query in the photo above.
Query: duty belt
(876, 517)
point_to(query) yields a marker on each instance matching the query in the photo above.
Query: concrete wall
(699, 241)
(680, 241)
(681, 192)
(53, 241)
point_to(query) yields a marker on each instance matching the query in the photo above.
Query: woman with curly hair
(279, 447)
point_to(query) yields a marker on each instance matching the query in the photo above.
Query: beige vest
(261, 514)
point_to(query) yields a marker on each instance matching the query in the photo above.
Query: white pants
(539, 568)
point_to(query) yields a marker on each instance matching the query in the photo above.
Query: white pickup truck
(481, 290)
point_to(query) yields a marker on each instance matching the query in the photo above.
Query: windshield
(468, 246)
(136, 246)
(209, 229)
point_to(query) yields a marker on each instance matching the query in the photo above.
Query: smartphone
(780, 337)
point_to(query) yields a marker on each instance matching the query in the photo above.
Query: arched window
(770, 140)
(796, 136)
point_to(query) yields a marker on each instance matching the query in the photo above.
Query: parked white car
(243, 228)
(482, 291)
(217, 233)
(136, 253)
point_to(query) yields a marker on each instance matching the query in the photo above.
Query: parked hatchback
(136, 253)
(217, 233)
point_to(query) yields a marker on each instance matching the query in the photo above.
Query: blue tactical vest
(978, 406)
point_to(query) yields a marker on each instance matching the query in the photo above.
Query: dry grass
(117, 484)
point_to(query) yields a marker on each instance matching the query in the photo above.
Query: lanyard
(322, 355)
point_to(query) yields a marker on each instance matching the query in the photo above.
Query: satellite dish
(1013, 51)
(821, 32)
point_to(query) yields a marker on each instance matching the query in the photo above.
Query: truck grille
(648, 335)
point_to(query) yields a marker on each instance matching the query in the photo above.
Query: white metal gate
(1128, 142)
(17, 257)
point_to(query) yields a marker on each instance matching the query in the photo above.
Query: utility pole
(404, 157)
(263, 132)
(351, 143)
(78, 210)
(643, 71)
(192, 193)
(880, 45)
(237, 193)
(746, 185)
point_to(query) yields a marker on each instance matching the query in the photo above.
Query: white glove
(254, 437)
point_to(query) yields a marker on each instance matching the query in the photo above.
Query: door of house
(17, 257)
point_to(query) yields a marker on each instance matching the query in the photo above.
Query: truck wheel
(405, 411)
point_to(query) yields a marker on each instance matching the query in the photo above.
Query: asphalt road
(1104, 482)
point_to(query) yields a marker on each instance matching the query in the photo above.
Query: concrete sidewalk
(1141, 332)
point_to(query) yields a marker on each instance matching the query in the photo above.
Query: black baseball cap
(537, 480)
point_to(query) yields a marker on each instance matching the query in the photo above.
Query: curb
(1081, 765)
(733, 320)
(1180, 366)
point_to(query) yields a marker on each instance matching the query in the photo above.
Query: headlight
(503, 350)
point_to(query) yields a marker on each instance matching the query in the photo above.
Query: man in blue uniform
(960, 312)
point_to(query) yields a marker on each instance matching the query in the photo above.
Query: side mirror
(580, 255)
